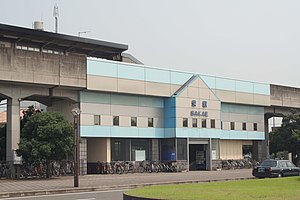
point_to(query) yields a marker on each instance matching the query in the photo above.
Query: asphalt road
(101, 195)
(106, 183)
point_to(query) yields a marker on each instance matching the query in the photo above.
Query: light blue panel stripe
(93, 97)
(154, 102)
(118, 131)
(209, 80)
(131, 72)
(170, 132)
(180, 78)
(101, 68)
(252, 110)
(239, 109)
(119, 99)
(95, 131)
(242, 109)
(157, 75)
(260, 88)
(244, 86)
(217, 133)
(225, 84)
(151, 133)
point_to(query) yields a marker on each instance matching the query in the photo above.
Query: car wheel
(280, 175)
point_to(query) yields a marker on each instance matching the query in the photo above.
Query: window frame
(150, 123)
(212, 123)
(255, 126)
(203, 125)
(97, 122)
(116, 124)
(194, 122)
(244, 126)
(132, 120)
(185, 122)
(232, 126)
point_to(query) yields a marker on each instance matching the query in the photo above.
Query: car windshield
(269, 163)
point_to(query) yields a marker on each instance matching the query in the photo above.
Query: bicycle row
(124, 167)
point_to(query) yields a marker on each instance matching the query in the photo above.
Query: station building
(134, 112)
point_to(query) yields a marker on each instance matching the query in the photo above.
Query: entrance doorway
(198, 156)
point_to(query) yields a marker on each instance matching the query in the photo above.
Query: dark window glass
(269, 163)
(133, 121)
(116, 120)
(232, 126)
(244, 126)
(120, 149)
(97, 120)
(194, 122)
(203, 123)
(221, 125)
(212, 123)
(185, 122)
(255, 126)
(289, 164)
(150, 122)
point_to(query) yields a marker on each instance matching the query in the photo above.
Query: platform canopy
(44, 40)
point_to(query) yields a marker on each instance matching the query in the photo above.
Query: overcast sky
(257, 40)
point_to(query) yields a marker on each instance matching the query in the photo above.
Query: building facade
(134, 112)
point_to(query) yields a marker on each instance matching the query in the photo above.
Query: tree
(30, 111)
(287, 137)
(46, 136)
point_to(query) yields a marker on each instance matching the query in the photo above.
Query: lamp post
(76, 114)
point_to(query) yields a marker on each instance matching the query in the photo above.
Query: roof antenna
(55, 15)
(82, 32)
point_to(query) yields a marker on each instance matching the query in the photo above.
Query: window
(194, 122)
(203, 123)
(244, 126)
(116, 120)
(212, 123)
(150, 122)
(255, 126)
(185, 122)
(232, 126)
(97, 120)
(221, 125)
(133, 121)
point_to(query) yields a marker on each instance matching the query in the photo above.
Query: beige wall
(198, 91)
(125, 112)
(98, 149)
(232, 149)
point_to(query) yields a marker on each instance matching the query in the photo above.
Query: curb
(104, 188)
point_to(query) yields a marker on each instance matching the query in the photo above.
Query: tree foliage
(287, 137)
(46, 136)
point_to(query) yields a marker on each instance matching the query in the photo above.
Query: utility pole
(55, 15)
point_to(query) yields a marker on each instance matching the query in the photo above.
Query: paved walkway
(12, 188)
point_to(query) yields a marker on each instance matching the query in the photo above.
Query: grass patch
(266, 189)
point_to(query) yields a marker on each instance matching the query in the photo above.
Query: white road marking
(86, 199)
(70, 193)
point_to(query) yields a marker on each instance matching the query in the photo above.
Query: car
(275, 168)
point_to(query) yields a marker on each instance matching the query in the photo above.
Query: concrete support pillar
(13, 131)
(257, 150)
(83, 156)
(209, 156)
(155, 149)
(265, 143)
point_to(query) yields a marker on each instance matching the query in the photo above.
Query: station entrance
(198, 155)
